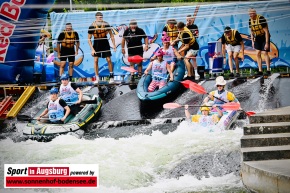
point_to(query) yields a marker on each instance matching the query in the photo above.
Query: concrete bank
(265, 148)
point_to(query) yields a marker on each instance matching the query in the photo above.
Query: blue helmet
(64, 77)
(53, 90)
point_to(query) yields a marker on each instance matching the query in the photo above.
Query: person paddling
(159, 72)
(56, 110)
(206, 118)
(220, 96)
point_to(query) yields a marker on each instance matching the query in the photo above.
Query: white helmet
(220, 81)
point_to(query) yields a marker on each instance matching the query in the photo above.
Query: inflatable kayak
(169, 89)
(226, 121)
(71, 124)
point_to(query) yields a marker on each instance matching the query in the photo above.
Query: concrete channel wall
(265, 148)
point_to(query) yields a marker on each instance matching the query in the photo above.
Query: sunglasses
(219, 85)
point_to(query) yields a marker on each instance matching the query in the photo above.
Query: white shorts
(192, 52)
(231, 48)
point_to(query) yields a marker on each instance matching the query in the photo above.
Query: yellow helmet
(204, 108)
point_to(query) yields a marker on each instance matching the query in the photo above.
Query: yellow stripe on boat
(92, 115)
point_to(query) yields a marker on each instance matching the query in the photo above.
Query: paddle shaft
(84, 102)
(247, 113)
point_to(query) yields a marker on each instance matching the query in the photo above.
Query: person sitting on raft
(220, 96)
(160, 68)
(169, 52)
(56, 110)
(205, 118)
(70, 93)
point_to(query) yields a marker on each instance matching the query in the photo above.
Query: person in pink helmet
(169, 52)
(160, 68)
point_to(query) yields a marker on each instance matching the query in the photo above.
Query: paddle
(137, 59)
(185, 83)
(85, 102)
(129, 69)
(28, 118)
(199, 89)
(227, 106)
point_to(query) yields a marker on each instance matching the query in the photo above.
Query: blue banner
(20, 30)
(210, 19)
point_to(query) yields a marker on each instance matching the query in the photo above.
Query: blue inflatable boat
(170, 88)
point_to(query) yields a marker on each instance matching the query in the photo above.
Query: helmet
(64, 77)
(204, 108)
(53, 90)
(159, 53)
(165, 37)
(220, 81)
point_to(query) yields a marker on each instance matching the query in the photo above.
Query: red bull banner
(20, 27)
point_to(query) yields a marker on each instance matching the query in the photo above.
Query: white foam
(136, 164)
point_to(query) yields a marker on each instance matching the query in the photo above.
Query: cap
(227, 29)
(251, 10)
(172, 21)
(99, 14)
(159, 53)
(53, 90)
(205, 107)
(220, 81)
(165, 37)
(133, 22)
(64, 77)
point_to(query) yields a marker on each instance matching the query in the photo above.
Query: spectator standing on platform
(194, 30)
(172, 32)
(260, 36)
(189, 48)
(101, 47)
(133, 36)
(232, 41)
(67, 48)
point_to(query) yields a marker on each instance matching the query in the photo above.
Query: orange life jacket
(69, 40)
(100, 31)
(172, 33)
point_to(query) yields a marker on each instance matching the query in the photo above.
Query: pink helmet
(165, 37)
(159, 53)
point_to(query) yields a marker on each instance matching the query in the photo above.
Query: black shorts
(260, 42)
(75, 109)
(67, 54)
(102, 47)
(135, 51)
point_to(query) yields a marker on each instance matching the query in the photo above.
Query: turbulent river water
(179, 157)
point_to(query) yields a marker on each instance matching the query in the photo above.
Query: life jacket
(159, 70)
(55, 110)
(191, 37)
(256, 26)
(68, 94)
(232, 40)
(204, 120)
(169, 54)
(100, 31)
(172, 33)
(69, 40)
(223, 96)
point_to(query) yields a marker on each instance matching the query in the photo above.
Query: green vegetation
(94, 5)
